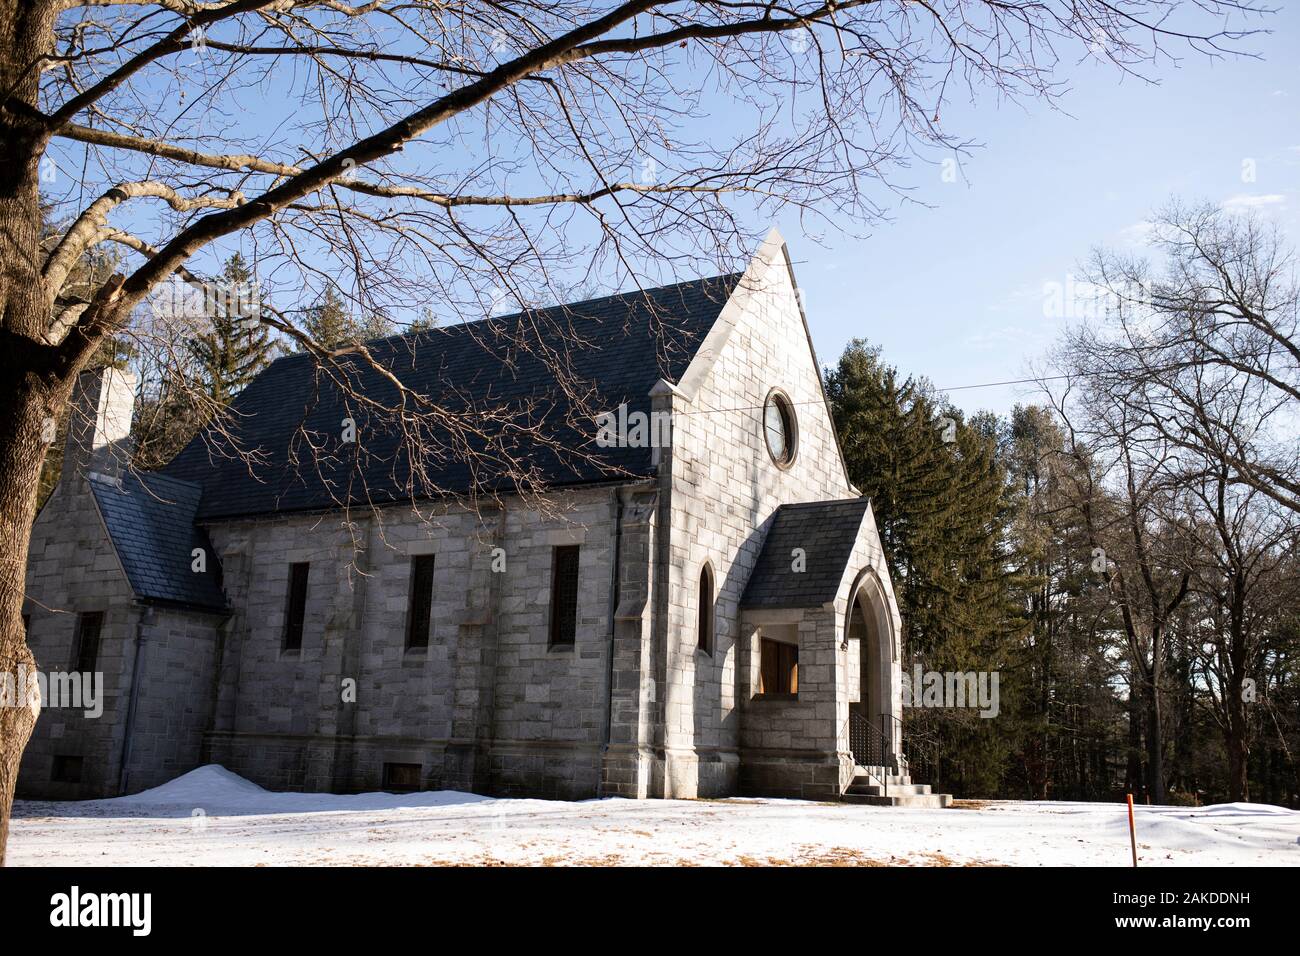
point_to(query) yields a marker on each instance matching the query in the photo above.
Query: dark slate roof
(150, 519)
(617, 347)
(826, 530)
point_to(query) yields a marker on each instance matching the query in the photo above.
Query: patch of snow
(216, 791)
(239, 823)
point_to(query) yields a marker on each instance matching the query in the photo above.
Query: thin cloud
(1137, 234)
(1245, 201)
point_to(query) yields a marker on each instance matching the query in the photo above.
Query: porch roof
(150, 521)
(827, 532)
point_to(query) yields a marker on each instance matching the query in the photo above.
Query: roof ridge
(458, 326)
(824, 502)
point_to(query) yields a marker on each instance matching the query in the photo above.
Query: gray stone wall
(173, 695)
(163, 657)
(725, 488)
(489, 705)
(72, 568)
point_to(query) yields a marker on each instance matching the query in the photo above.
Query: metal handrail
(887, 722)
(870, 746)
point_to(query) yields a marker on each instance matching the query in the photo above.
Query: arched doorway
(870, 633)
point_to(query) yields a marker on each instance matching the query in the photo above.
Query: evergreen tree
(375, 326)
(328, 321)
(942, 503)
(424, 322)
(236, 346)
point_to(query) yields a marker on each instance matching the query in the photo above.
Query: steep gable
(760, 342)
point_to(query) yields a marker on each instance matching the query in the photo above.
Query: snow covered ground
(211, 816)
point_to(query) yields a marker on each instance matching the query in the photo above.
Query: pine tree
(941, 499)
(425, 321)
(236, 346)
(375, 326)
(328, 321)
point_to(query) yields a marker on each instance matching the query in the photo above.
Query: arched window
(704, 626)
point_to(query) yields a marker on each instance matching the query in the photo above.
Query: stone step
(895, 780)
(873, 789)
(916, 801)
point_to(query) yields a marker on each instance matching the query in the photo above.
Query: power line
(954, 388)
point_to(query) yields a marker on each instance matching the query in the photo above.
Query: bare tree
(459, 152)
(1219, 309)
(1243, 588)
(1200, 358)
(1121, 491)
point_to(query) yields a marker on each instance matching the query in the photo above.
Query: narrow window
(564, 594)
(704, 626)
(401, 777)
(66, 769)
(778, 668)
(85, 647)
(27, 624)
(296, 609)
(420, 607)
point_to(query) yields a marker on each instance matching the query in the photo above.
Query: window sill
(775, 698)
(560, 648)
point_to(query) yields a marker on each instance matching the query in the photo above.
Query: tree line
(1122, 551)
(195, 349)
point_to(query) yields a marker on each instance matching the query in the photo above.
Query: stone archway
(869, 628)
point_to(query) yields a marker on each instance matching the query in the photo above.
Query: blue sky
(955, 291)
(952, 285)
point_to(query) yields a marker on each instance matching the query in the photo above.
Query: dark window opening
(419, 612)
(779, 667)
(85, 647)
(66, 769)
(564, 594)
(704, 625)
(401, 777)
(296, 610)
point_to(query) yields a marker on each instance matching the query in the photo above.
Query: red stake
(1132, 831)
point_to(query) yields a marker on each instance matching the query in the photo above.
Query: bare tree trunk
(1133, 766)
(1155, 749)
(33, 387)
(1236, 740)
(23, 408)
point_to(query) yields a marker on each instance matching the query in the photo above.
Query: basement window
(401, 777)
(778, 673)
(66, 769)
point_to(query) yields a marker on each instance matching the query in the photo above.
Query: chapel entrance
(874, 734)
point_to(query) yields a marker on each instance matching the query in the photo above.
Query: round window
(780, 428)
